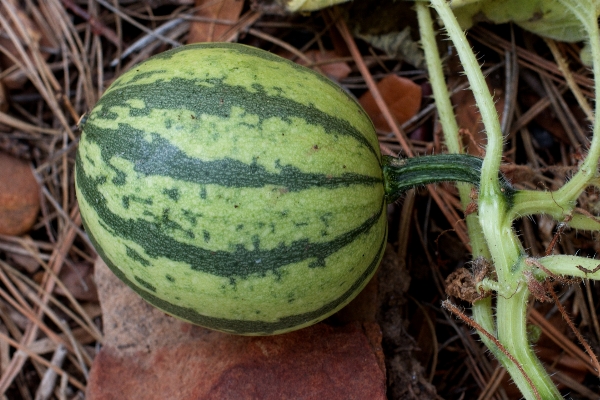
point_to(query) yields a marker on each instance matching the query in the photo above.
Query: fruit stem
(402, 174)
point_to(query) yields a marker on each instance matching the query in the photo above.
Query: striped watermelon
(233, 188)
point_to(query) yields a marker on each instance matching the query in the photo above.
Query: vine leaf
(548, 18)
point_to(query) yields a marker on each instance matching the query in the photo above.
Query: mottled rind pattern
(233, 188)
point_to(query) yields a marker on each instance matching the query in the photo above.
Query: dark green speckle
(145, 284)
(136, 256)
(120, 179)
(172, 193)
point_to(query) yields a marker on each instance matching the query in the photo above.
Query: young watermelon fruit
(233, 189)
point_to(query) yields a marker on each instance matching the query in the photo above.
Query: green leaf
(547, 18)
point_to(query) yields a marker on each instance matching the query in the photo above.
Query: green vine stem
(505, 333)
(505, 248)
(559, 204)
(565, 265)
(585, 11)
(489, 116)
(448, 120)
(482, 309)
(402, 174)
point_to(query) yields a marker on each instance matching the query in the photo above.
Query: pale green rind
(242, 137)
(294, 289)
(276, 75)
(229, 215)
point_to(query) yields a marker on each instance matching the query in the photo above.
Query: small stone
(19, 196)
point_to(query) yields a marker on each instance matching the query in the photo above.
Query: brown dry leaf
(27, 263)
(79, 281)
(402, 96)
(334, 70)
(222, 10)
(19, 196)
(148, 354)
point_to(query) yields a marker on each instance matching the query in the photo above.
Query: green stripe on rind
(321, 255)
(235, 263)
(215, 98)
(213, 78)
(157, 156)
(248, 327)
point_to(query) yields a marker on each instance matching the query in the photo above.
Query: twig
(566, 71)
(364, 70)
(49, 380)
(280, 43)
(41, 360)
(569, 322)
(56, 261)
(127, 18)
(97, 26)
(493, 384)
(557, 337)
(144, 40)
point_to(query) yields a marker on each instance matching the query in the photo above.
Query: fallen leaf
(225, 10)
(402, 96)
(398, 45)
(148, 354)
(19, 196)
(334, 70)
(79, 281)
(549, 18)
(28, 263)
(388, 25)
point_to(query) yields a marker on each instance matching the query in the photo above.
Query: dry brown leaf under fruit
(19, 196)
(222, 10)
(402, 96)
(148, 354)
(79, 281)
(334, 70)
